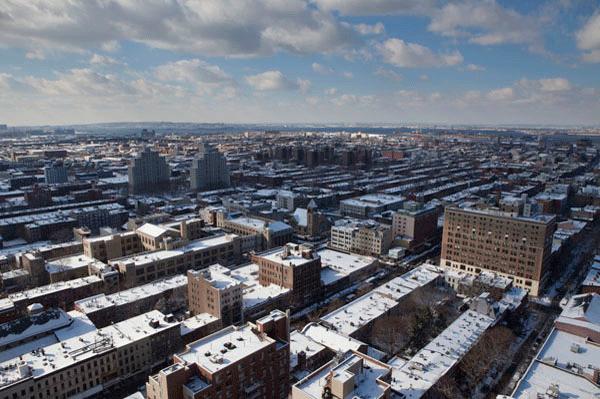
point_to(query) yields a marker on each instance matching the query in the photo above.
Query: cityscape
(303, 199)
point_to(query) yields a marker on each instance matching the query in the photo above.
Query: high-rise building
(209, 170)
(148, 173)
(56, 173)
(517, 247)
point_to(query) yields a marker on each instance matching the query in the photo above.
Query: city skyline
(461, 62)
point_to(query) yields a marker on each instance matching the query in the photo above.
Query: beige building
(214, 291)
(518, 247)
(114, 246)
(414, 226)
(252, 361)
(268, 233)
(149, 266)
(361, 237)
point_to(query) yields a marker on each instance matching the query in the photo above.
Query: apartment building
(113, 246)
(252, 361)
(93, 363)
(147, 173)
(367, 205)
(268, 233)
(361, 237)
(292, 266)
(414, 225)
(214, 291)
(149, 266)
(487, 239)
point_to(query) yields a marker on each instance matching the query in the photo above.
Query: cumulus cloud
(502, 94)
(412, 55)
(274, 80)
(191, 71)
(588, 39)
(485, 22)
(388, 74)
(210, 27)
(36, 54)
(99, 59)
(366, 29)
(377, 7)
(321, 69)
(475, 68)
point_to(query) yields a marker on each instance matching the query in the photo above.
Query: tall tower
(148, 173)
(209, 170)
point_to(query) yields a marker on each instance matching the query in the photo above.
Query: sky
(300, 61)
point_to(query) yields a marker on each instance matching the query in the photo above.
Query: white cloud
(36, 54)
(273, 81)
(377, 7)
(366, 29)
(208, 27)
(485, 22)
(388, 74)
(332, 91)
(320, 68)
(347, 74)
(99, 59)
(502, 94)
(554, 84)
(475, 68)
(191, 71)
(353, 99)
(412, 55)
(588, 39)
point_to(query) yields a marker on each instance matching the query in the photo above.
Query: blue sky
(347, 61)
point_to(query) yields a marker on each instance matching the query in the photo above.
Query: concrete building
(367, 205)
(516, 247)
(292, 266)
(114, 246)
(268, 233)
(214, 291)
(252, 361)
(148, 173)
(209, 170)
(361, 237)
(94, 363)
(149, 266)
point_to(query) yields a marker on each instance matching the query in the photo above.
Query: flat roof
(211, 354)
(72, 262)
(337, 265)
(414, 378)
(302, 343)
(64, 354)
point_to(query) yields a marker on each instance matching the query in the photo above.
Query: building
(167, 295)
(214, 291)
(292, 266)
(251, 361)
(367, 205)
(355, 376)
(568, 363)
(517, 247)
(591, 283)
(414, 225)
(93, 363)
(149, 172)
(109, 247)
(364, 237)
(148, 266)
(268, 233)
(209, 170)
(309, 223)
(56, 173)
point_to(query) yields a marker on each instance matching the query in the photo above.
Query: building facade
(148, 173)
(209, 170)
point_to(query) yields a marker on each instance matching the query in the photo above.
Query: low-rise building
(361, 237)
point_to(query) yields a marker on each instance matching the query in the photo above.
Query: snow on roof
(45, 322)
(289, 254)
(191, 324)
(54, 287)
(211, 354)
(365, 373)
(302, 343)
(151, 230)
(301, 216)
(582, 310)
(337, 265)
(72, 262)
(331, 339)
(254, 293)
(64, 354)
(593, 276)
(193, 246)
(560, 361)
(419, 374)
(101, 301)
